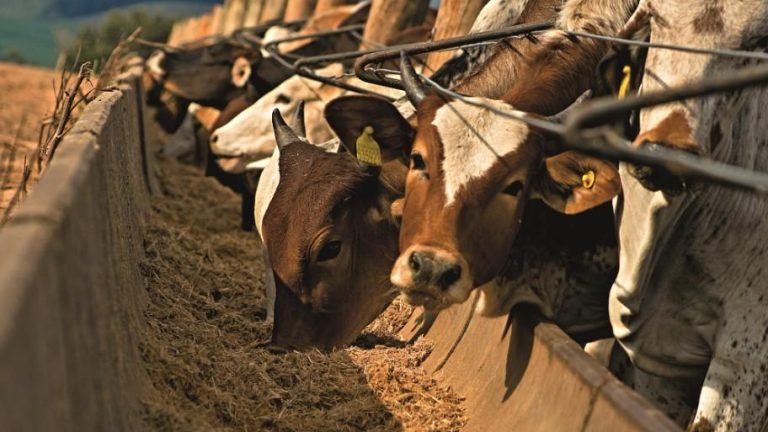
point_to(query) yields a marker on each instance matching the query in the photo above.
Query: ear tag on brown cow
(368, 150)
(625, 81)
(588, 179)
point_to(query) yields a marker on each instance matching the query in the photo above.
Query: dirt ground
(205, 350)
(26, 97)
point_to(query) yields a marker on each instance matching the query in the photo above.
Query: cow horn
(562, 115)
(411, 83)
(283, 133)
(298, 121)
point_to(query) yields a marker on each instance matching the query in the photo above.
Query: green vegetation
(32, 39)
(96, 41)
(26, 37)
(79, 8)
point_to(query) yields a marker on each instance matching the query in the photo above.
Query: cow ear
(370, 121)
(572, 182)
(241, 72)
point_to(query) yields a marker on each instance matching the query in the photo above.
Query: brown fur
(674, 131)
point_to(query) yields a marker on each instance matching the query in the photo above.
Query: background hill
(33, 31)
(80, 8)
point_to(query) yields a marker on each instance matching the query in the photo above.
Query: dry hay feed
(204, 346)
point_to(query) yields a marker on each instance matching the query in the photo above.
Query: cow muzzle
(431, 277)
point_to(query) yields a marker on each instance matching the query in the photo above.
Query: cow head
(249, 134)
(471, 175)
(210, 74)
(169, 109)
(324, 217)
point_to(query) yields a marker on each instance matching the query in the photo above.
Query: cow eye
(329, 251)
(417, 162)
(514, 188)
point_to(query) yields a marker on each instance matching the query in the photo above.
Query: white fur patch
(497, 14)
(467, 132)
(605, 17)
(250, 132)
(153, 65)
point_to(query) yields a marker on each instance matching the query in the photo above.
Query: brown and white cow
(473, 172)
(288, 173)
(689, 302)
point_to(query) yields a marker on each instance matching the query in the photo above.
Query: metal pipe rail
(363, 71)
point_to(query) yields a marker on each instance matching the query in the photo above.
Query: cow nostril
(449, 277)
(215, 138)
(415, 262)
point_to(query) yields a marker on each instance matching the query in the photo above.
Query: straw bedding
(205, 349)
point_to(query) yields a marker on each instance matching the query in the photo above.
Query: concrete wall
(518, 374)
(71, 292)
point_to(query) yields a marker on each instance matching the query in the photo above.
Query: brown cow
(326, 229)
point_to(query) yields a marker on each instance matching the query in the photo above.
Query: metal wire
(363, 66)
(707, 51)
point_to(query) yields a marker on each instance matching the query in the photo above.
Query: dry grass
(204, 350)
(27, 96)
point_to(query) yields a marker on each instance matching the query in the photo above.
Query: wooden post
(299, 9)
(253, 13)
(173, 38)
(324, 5)
(390, 17)
(272, 9)
(217, 20)
(187, 33)
(205, 25)
(454, 18)
(234, 16)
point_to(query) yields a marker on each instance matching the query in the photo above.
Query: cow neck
(568, 263)
(554, 73)
(490, 70)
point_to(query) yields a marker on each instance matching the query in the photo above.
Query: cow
(210, 75)
(326, 228)
(249, 135)
(578, 261)
(214, 73)
(688, 304)
(472, 174)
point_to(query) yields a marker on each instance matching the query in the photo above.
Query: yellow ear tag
(624, 87)
(368, 150)
(588, 179)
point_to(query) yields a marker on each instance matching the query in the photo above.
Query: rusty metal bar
(603, 111)
(303, 69)
(362, 66)
(341, 30)
(604, 142)
(262, 28)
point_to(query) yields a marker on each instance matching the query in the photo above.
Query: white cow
(250, 133)
(689, 304)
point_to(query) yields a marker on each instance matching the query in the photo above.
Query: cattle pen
(165, 326)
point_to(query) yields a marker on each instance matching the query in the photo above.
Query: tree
(96, 41)
(13, 56)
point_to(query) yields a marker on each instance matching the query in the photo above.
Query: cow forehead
(313, 187)
(270, 179)
(473, 138)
